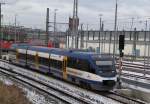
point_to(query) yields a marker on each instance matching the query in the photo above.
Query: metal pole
(100, 28)
(1, 29)
(134, 44)
(87, 35)
(149, 48)
(132, 22)
(68, 39)
(73, 23)
(55, 22)
(15, 28)
(76, 24)
(110, 42)
(145, 48)
(55, 26)
(82, 39)
(77, 35)
(115, 27)
(47, 27)
(0, 33)
(104, 41)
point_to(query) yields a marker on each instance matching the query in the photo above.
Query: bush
(12, 95)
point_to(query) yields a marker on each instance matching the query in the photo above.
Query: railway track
(71, 95)
(66, 97)
(122, 99)
(140, 66)
(136, 75)
(135, 69)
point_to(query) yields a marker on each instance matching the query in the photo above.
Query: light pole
(100, 29)
(115, 28)
(47, 27)
(132, 23)
(1, 29)
(55, 17)
(15, 28)
(145, 47)
(87, 29)
(149, 45)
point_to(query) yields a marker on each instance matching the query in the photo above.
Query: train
(86, 69)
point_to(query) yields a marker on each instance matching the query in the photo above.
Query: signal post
(121, 48)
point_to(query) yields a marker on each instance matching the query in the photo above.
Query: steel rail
(13, 75)
(122, 99)
(112, 95)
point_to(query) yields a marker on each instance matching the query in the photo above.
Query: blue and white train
(86, 69)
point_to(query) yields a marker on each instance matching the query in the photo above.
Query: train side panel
(74, 69)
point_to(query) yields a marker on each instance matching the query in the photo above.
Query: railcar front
(91, 70)
(104, 68)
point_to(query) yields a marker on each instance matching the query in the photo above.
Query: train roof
(66, 52)
(22, 46)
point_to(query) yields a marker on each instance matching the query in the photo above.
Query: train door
(17, 55)
(49, 65)
(37, 61)
(64, 68)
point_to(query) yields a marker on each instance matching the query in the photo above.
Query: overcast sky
(31, 13)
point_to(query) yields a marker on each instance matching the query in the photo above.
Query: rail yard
(97, 55)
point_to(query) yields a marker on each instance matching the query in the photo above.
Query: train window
(44, 61)
(83, 65)
(22, 56)
(31, 58)
(79, 64)
(71, 62)
(106, 68)
(12, 52)
(56, 64)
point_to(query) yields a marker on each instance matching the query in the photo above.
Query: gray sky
(31, 13)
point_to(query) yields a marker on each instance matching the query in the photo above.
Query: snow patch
(6, 81)
(33, 96)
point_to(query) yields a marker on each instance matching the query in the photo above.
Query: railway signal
(121, 48)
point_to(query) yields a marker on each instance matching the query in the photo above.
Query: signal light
(121, 42)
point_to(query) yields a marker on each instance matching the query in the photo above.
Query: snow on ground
(126, 85)
(137, 63)
(6, 81)
(66, 87)
(137, 92)
(33, 96)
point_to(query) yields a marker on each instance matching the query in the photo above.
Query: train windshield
(103, 63)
